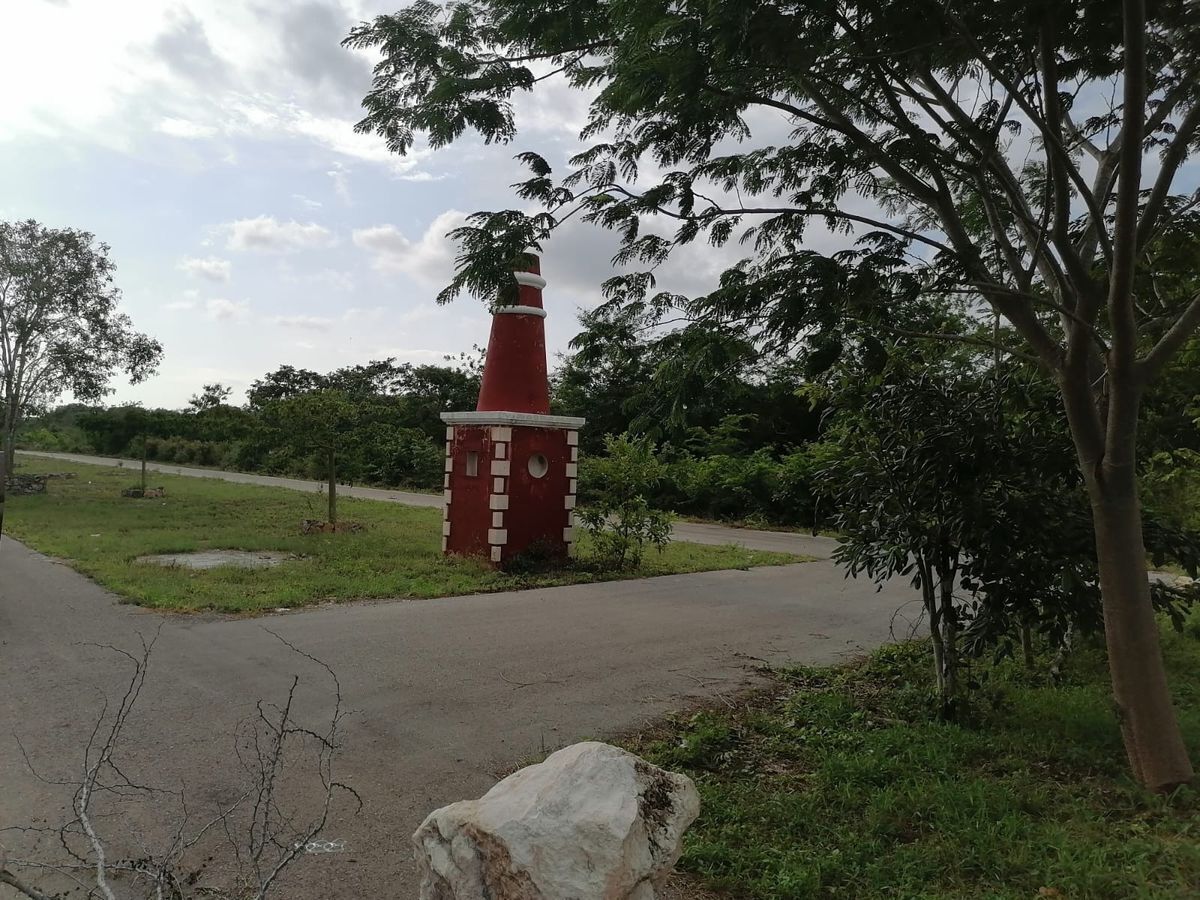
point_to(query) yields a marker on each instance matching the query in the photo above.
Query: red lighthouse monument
(511, 467)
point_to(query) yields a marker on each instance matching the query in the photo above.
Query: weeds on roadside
(844, 782)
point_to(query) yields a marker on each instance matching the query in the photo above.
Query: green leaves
(960, 475)
(886, 134)
(60, 327)
(491, 247)
(618, 517)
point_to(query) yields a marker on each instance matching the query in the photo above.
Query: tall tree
(1014, 155)
(629, 373)
(283, 383)
(210, 397)
(60, 330)
(319, 425)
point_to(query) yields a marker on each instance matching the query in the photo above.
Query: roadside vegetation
(844, 782)
(87, 523)
(1069, 252)
(738, 452)
(985, 382)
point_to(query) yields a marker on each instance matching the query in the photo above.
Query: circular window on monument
(538, 466)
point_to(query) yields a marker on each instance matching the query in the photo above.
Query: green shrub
(1171, 487)
(209, 453)
(1191, 625)
(41, 439)
(725, 486)
(405, 456)
(177, 450)
(796, 500)
(618, 517)
(706, 742)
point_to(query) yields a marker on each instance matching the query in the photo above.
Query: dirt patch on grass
(212, 559)
(684, 887)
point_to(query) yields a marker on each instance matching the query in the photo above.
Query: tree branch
(1125, 226)
(1171, 161)
(714, 210)
(989, 155)
(1054, 144)
(7, 877)
(958, 339)
(1177, 335)
(1062, 173)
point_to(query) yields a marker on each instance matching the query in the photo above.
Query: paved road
(696, 532)
(445, 693)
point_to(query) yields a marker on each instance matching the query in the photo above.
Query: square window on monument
(473, 463)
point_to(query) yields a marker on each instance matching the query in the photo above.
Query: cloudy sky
(211, 144)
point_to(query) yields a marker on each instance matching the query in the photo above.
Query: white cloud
(556, 109)
(306, 202)
(430, 258)
(386, 241)
(361, 314)
(178, 305)
(210, 268)
(338, 174)
(422, 176)
(339, 135)
(182, 128)
(226, 310)
(332, 280)
(200, 70)
(266, 234)
(342, 282)
(316, 323)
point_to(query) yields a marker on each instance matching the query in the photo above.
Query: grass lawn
(839, 783)
(86, 522)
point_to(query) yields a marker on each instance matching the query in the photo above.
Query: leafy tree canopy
(1022, 156)
(60, 329)
(686, 387)
(928, 112)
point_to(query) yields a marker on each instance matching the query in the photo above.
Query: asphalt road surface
(445, 695)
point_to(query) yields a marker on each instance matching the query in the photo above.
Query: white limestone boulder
(592, 822)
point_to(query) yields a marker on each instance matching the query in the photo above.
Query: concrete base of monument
(510, 485)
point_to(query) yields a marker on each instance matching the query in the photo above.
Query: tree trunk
(143, 465)
(1027, 646)
(949, 622)
(1103, 423)
(8, 434)
(1148, 722)
(1060, 657)
(929, 595)
(7, 456)
(332, 491)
